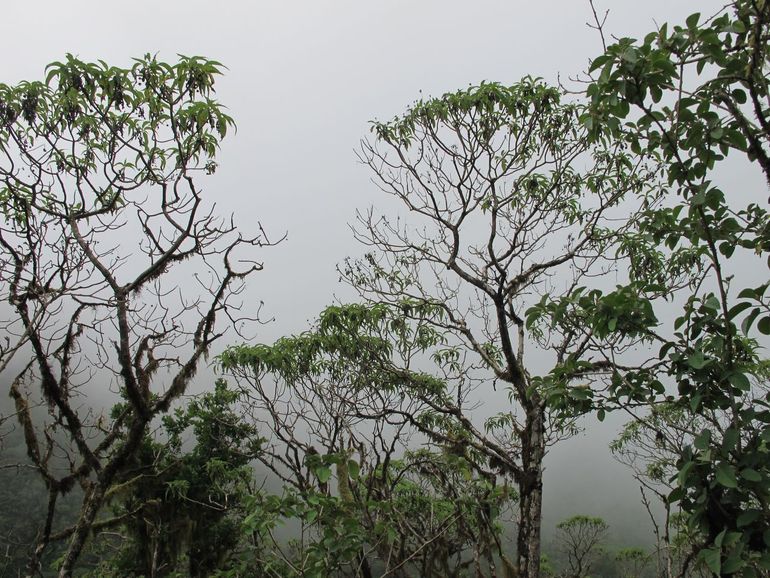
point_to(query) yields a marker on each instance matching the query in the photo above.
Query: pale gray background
(304, 79)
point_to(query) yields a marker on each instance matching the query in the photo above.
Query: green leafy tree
(632, 562)
(689, 96)
(426, 518)
(504, 192)
(93, 154)
(180, 510)
(651, 448)
(580, 542)
(338, 406)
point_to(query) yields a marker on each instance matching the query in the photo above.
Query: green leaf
(749, 321)
(725, 476)
(738, 26)
(764, 325)
(731, 565)
(751, 475)
(630, 55)
(730, 439)
(720, 538)
(747, 518)
(697, 360)
(740, 381)
(676, 495)
(702, 440)
(695, 401)
(354, 469)
(739, 96)
(748, 293)
(323, 474)
(683, 473)
(739, 308)
(727, 249)
(599, 61)
(712, 558)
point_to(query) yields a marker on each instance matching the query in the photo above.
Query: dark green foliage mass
(181, 508)
(700, 93)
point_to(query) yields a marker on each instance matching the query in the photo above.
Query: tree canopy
(91, 157)
(550, 256)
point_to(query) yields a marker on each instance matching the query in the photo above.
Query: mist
(304, 80)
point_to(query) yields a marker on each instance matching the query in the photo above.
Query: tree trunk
(531, 495)
(94, 498)
(92, 504)
(528, 541)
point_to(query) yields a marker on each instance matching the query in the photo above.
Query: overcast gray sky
(305, 78)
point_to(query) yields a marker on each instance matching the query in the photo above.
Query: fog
(304, 80)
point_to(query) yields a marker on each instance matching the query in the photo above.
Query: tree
(651, 447)
(180, 510)
(688, 96)
(335, 407)
(580, 540)
(504, 192)
(99, 173)
(632, 562)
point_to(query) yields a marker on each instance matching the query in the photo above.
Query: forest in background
(586, 227)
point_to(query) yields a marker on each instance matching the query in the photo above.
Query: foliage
(181, 509)
(419, 530)
(632, 562)
(688, 96)
(339, 409)
(507, 189)
(580, 538)
(504, 192)
(89, 155)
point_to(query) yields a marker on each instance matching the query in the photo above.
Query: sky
(304, 79)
